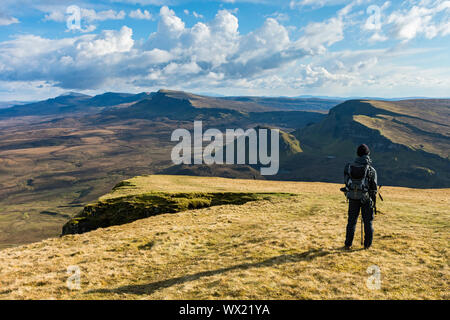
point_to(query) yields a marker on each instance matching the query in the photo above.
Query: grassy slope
(286, 247)
(418, 124)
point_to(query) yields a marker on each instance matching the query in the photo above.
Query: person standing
(361, 189)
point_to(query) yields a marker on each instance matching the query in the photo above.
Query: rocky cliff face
(121, 210)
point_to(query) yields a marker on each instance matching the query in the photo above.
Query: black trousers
(354, 207)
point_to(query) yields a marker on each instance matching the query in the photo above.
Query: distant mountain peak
(169, 91)
(73, 94)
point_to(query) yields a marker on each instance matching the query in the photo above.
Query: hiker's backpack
(358, 182)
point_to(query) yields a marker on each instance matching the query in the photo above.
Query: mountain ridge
(71, 102)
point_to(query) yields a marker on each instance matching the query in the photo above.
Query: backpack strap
(366, 177)
(349, 170)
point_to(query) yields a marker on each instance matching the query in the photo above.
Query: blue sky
(232, 47)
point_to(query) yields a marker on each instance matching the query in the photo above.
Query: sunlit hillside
(286, 245)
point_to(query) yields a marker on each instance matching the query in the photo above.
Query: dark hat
(363, 150)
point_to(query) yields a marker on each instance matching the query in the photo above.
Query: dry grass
(404, 133)
(285, 248)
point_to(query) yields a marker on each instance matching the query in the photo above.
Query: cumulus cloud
(79, 62)
(318, 34)
(109, 42)
(212, 52)
(428, 19)
(208, 54)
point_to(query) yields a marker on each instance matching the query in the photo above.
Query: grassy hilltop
(286, 244)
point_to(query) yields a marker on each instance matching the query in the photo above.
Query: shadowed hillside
(71, 104)
(287, 143)
(409, 140)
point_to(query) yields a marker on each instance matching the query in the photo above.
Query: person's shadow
(149, 288)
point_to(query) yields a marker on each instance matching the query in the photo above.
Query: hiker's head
(363, 150)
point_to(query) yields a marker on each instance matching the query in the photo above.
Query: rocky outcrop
(122, 210)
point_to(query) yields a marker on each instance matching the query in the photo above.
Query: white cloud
(170, 27)
(210, 54)
(315, 3)
(145, 2)
(317, 35)
(422, 19)
(6, 20)
(87, 16)
(91, 15)
(109, 42)
(377, 37)
(143, 15)
(279, 16)
(213, 52)
(80, 62)
(57, 16)
(181, 69)
(197, 15)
